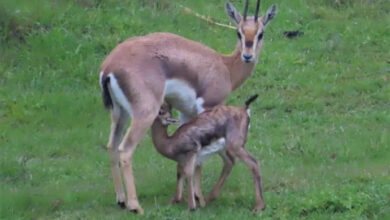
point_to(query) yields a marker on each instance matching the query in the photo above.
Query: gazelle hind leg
(253, 166)
(142, 119)
(118, 120)
(228, 163)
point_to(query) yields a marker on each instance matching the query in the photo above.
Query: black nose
(247, 57)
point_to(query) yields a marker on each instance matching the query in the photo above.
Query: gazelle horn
(257, 10)
(246, 9)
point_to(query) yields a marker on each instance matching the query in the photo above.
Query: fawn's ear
(233, 13)
(169, 121)
(172, 121)
(269, 15)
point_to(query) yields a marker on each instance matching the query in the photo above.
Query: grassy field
(321, 127)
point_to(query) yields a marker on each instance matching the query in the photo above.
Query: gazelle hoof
(202, 203)
(134, 207)
(175, 201)
(260, 207)
(121, 204)
(200, 200)
(137, 210)
(209, 198)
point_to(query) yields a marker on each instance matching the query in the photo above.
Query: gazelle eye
(239, 35)
(260, 36)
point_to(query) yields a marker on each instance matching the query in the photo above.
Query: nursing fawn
(221, 130)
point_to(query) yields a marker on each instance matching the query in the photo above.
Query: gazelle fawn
(143, 72)
(222, 130)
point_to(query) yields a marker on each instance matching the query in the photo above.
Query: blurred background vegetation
(320, 128)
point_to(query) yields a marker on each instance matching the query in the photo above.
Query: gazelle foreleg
(189, 169)
(198, 186)
(118, 120)
(178, 197)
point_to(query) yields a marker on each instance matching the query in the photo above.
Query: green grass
(321, 127)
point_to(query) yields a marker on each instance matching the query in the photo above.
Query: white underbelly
(209, 150)
(183, 97)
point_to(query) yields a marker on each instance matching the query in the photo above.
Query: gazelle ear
(233, 13)
(171, 121)
(271, 13)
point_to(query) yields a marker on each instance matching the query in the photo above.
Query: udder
(183, 97)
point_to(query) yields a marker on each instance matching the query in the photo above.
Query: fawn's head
(165, 116)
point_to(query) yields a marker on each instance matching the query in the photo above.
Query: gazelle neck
(239, 70)
(160, 139)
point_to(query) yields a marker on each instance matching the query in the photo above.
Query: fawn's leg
(198, 186)
(178, 197)
(253, 166)
(189, 173)
(228, 163)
